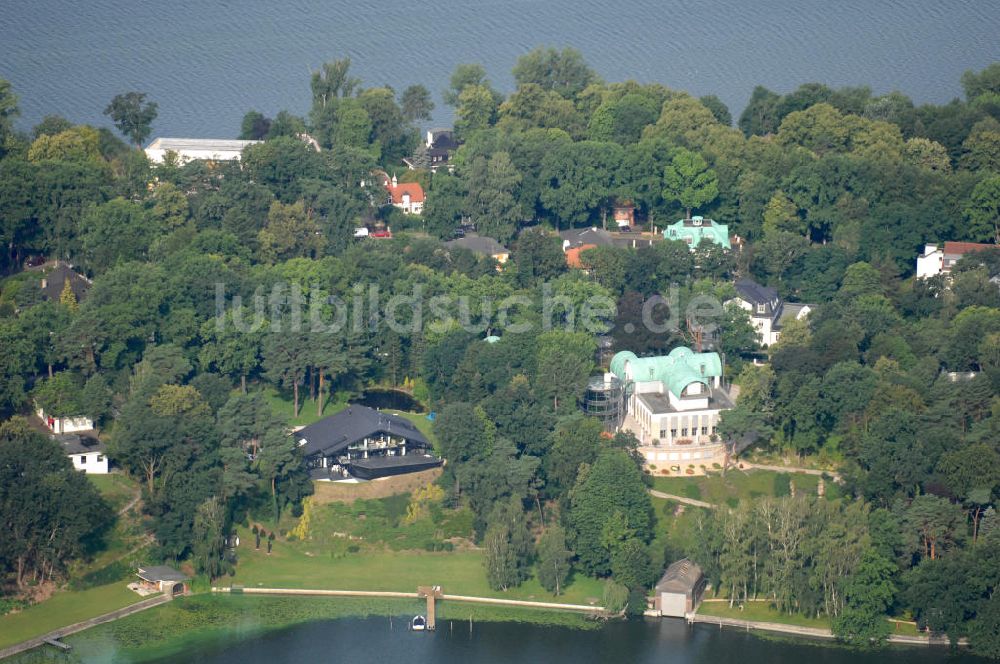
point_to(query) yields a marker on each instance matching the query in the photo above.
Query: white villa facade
(673, 404)
(191, 149)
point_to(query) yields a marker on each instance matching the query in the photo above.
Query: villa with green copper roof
(672, 405)
(696, 230)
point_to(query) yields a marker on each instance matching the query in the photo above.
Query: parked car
(381, 234)
(361, 232)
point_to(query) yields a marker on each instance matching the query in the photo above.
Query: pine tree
(67, 297)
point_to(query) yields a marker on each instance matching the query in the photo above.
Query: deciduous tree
(133, 115)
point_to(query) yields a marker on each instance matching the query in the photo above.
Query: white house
(673, 405)
(767, 311)
(937, 260)
(191, 149)
(60, 425)
(86, 453)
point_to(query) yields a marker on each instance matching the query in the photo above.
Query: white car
(361, 232)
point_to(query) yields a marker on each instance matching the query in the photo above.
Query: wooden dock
(432, 594)
(58, 644)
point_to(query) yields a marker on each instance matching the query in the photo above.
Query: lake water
(206, 62)
(635, 642)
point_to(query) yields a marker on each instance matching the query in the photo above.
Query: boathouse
(679, 592)
(160, 578)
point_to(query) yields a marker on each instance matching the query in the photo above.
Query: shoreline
(812, 632)
(56, 634)
(495, 601)
(522, 610)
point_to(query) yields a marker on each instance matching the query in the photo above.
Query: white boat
(418, 624)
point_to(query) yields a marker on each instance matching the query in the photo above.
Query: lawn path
(682, 499)
(790, 469)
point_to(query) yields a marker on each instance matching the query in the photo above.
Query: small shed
(161, 578)
(679, 591)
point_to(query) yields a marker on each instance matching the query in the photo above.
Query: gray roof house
(53, 281)
(365, 443)
(768, 313)
(480, 244)
(163, 579)
(579, 237)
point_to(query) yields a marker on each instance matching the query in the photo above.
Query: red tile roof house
(407, 196)
(939, 260)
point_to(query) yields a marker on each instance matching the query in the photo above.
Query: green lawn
(283, 405)
(738, 484)
(294, 565)
(905, 628)
(116, 488)
(128, 533)
(380, 523)
(62, 609)
(760, 612)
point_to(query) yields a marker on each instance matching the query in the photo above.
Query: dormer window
(760, 308)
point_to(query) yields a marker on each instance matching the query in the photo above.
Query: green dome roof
(681, 367)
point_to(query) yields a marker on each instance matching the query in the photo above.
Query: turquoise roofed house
(673, 403)
(698, 229)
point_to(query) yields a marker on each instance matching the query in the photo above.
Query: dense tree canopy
(829, 195)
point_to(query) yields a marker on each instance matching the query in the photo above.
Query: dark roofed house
(480, 244)
(580, 237)
(577, 240)
(679, 592)
(768, 313)
(365, 443)
(86, 452)
(441, 144)
(54, 281)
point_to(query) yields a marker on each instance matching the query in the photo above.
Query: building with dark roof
(441, 144)
(86, 452)
(577, 240)
(53, 281)
(768, 313)
(591, 236)
(482, 245)
(365, 443)
(160, 578)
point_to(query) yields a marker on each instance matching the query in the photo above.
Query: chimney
(395, 183)
(45, 283)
